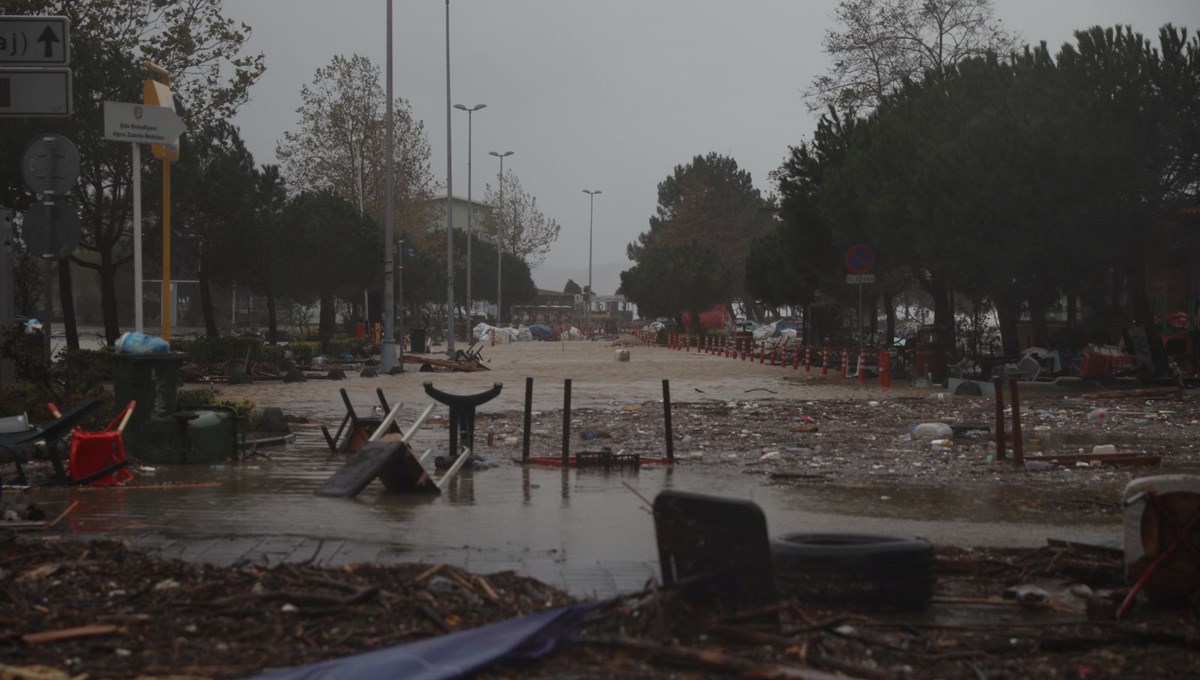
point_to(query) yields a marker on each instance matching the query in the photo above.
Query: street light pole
(449, 204)
(587, 314)
(387, 353)
(499, 245)
(470, 201)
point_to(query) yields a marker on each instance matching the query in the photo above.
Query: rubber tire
(867, 569)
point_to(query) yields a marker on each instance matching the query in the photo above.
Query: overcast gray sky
(599, 94)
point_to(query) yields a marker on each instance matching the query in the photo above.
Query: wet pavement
(586, 531)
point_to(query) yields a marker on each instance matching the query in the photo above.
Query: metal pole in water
(667, 421)
(998, 384)
(566, 447)
(1018, 444)
(528, 416)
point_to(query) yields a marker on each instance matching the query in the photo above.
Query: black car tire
(865, 569)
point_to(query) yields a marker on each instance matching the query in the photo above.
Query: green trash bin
(152, 380)
(158, 432)
(416, 340)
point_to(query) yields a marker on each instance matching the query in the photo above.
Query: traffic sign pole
(860, 260)
(138, 319)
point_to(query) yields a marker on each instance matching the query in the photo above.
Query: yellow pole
(166, 258)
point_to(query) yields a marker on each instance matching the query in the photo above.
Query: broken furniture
(389, 458)
(392, 462)
(1162, 537)
(462, 413)
(714, 548)
(357, 431)
(98, 458)
(429, 364)
(472, 354)
(21, 441)
(158, 431)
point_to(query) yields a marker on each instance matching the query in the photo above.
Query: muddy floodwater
(589, 530)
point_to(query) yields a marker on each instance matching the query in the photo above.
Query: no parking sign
(860, 259)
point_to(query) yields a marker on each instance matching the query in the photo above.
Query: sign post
(34, 80)
(156, 93)
(860, 260)
(50, 166)
(139, 124)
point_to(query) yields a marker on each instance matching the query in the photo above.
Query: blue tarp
(455, 655)
(541, 331)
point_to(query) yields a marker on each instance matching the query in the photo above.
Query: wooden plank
(68, 633)
(1140, 392)
(1105, 458)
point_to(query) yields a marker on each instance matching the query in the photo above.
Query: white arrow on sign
(139, 123)
(35, 40)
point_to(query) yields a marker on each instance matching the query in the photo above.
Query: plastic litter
(1104, 448)
(932, 431)
(1098, 416)
(140, 343)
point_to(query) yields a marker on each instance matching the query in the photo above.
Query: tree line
(302, 233)
(983, 176)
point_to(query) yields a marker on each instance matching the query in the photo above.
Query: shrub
(207, 396)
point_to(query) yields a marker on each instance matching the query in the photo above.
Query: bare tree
(879, 43)
(341, 142)
(517, 224)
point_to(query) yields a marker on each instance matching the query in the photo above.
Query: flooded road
(585, 530)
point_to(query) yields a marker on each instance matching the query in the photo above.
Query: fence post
(566, 444)
(667, 421)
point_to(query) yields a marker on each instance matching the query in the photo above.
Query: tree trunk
(943, 303)
(272, 322)
(328, 319)
(206, 304)
(66, 297)
(1008, 312)
(1139, 306)
(108, 296)
(1037, 319)
(889, 302)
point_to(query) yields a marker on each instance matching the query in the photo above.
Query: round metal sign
(50, 164)
(860, 259)
(51, 230)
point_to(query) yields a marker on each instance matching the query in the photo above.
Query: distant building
(613, 305)
(461, 210)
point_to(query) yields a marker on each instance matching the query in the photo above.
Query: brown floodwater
(587, 530)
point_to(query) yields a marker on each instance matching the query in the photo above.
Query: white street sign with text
(139, 123)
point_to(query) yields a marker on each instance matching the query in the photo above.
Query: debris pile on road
(105, 610)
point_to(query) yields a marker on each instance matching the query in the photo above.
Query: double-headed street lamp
(587, 315)
(499, 245)
(470, 203)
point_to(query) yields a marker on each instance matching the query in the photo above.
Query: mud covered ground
(101, 610)
(867, 441)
